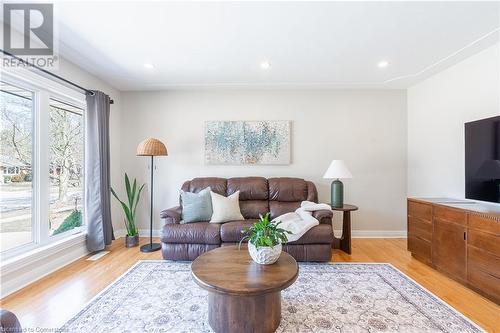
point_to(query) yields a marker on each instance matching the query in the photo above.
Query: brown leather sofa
(257, 196)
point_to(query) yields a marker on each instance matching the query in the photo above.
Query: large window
(16, 163)
(41, 166)
(65, 167)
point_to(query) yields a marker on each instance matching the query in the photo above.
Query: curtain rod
(87, 91)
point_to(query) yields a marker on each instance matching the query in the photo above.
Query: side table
(344, 242)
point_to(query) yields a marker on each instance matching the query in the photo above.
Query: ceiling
(307, 44)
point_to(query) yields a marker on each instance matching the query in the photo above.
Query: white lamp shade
(337, 169)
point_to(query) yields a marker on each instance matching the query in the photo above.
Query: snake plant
(129, 208)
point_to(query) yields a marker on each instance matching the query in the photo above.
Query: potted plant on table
(264, 240)
(129, 210)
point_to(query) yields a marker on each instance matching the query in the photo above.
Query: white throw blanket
(300, 221)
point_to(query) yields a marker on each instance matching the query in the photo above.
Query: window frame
(44, 89)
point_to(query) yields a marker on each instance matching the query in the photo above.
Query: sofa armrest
(323, 216)
(171, 215)
(9, 322)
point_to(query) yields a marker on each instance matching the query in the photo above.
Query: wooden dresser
(459, 238)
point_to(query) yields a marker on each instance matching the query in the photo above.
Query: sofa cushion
(196, 207)
(250, 209)
(278, 208)
(288, 189)
(231, 231)
(320, 234)
(251, 188)
(192, 233)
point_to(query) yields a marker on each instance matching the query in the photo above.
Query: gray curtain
(97, 174)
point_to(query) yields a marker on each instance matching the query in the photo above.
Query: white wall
(365, 128)
(437, 110)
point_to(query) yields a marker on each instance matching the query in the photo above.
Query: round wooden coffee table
(243, 295)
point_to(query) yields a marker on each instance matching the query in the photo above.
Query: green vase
(337, 194)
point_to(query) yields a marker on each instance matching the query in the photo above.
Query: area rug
(161, 296)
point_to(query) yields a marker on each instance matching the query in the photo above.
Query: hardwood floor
(49, 302)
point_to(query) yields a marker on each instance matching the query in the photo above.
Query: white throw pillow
(226, 209)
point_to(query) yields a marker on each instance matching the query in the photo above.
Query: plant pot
(131, 241)
(264, 255)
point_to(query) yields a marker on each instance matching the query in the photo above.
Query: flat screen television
(482, 160)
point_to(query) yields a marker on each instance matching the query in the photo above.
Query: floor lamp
(151, 147)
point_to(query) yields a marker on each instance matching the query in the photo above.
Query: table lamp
(151, 147)
(337, 170)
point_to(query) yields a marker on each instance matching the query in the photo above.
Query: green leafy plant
(264, 233)
(129, 208)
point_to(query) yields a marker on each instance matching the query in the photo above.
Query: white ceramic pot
(264, 255)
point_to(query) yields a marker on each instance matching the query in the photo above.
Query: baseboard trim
(119, 233)
(355, 233)
(374, 233)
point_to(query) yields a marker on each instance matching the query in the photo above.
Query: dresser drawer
(419, 228)
(485, 282)
(482, 260)
(420, 248)
(450, 215)
(485, 241)
(484, 224)
(420, 210)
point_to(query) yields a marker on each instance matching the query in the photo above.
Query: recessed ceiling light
(149, 66)
(383, 64)
(265, 65)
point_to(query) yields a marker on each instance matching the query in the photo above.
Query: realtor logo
(28, 34)
(37, 25)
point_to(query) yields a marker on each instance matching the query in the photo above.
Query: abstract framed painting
(265, 142)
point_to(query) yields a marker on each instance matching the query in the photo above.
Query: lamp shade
(336, 170)
(151, 147)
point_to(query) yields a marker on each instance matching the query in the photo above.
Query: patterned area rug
(160, 296)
